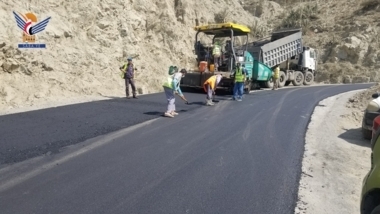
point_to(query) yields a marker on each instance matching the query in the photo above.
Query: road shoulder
(335, 160)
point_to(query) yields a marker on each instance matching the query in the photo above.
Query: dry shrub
(221, 16)
(258, 30)
(370, 5)
(300, 18)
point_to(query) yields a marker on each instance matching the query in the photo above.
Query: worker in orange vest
(210, 86)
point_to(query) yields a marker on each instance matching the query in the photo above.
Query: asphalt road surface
(234, 157)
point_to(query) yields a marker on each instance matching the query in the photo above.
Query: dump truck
(283, 48)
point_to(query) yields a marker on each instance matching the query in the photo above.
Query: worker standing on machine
(276, 77)
(216, 53)
(210, 87)
(171, 87)
(239, 76)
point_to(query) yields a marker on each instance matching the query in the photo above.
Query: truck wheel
(309, 78)
(269, 83)
(282, 80)
(376, 210)
(367, 134)
(248, 88)
(298, 78)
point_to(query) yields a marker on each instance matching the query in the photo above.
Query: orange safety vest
(211, 81)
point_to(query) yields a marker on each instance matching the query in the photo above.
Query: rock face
(88, 41)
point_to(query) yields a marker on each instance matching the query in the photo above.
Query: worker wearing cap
(210, 86)
(276, 77)
(128, 70)
(239, 75)
(171, 87)
(216, 53)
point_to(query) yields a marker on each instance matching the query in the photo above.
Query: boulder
(360, 79)
(103, 24)
(354, 50)
(10, 65)
(46, 67)
(347, 79)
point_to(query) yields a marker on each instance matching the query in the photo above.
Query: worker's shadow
(157, 113)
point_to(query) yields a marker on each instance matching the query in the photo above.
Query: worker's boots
(209, 103)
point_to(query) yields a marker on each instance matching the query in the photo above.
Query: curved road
(234, 157)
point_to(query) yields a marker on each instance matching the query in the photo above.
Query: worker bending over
(171, 87)
(210, 86)
(276, 77)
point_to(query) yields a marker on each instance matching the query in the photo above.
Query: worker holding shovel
(171, 87)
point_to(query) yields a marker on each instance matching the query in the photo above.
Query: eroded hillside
(87, 41)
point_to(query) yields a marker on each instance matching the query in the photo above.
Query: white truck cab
(306, 61)
(309, 60)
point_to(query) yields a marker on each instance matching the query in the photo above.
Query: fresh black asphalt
(234, 157)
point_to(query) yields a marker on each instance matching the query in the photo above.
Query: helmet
(129, 59)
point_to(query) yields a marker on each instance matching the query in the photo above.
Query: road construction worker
(128, 70)
(216, 53)
(276, 77)
(210, 86)
(172, 87)
(240, 76)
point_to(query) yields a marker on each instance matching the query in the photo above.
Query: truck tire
(309, 78)
(282, 80)
(247, 89)
(298, 78)
(255, 86)
(376, 210)
(367, 134)
(269, 83)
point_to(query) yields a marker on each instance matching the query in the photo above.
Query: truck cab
(307, 60)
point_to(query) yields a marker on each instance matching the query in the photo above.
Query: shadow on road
(154, 113)
(354, 136)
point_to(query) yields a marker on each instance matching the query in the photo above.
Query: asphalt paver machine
(229, 57)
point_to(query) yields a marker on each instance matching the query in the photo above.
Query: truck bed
(281, 46)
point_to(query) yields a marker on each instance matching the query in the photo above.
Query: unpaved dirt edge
(335, 160)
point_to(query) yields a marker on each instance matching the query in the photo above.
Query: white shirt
(218, 78)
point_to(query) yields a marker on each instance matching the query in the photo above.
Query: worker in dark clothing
(128, 70)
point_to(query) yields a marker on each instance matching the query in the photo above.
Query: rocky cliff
(87, 41)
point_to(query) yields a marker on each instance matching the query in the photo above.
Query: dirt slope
(358, 103)
(88, 41)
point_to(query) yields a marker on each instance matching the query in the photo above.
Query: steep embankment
(87, 42)
(346, 34)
